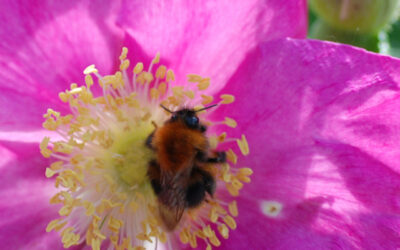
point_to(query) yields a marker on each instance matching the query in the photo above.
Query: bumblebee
(182, 174)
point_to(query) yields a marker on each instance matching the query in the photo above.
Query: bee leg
(203, 128)
(220, 157)
(209, 183)
(195, 194)
(149, 140)
(202, 183)
(153, 172)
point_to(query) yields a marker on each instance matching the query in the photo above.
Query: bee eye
(191, 121)
(174, 117)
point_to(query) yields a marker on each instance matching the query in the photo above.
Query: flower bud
(361, 16)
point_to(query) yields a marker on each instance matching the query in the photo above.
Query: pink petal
(24, 199)
(22, 112)
(46, 45)
(209, 38)
(323, 131)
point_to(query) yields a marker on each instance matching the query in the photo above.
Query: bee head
(188, 116)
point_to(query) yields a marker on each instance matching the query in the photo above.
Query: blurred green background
(370, 24)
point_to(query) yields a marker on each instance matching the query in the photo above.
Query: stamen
(102, 159)
(230, 122)
(227, 99)
(90, 69)
(206, 99)
(243, 145)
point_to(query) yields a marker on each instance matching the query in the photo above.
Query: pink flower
(320, 118)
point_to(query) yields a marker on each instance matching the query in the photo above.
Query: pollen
(105, 198)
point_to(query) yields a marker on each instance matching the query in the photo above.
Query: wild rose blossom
(320, 118)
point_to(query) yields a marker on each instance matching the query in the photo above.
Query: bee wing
(172, 198)
(171, 215)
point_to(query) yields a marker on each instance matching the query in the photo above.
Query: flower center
(129, 157)
(102, 161)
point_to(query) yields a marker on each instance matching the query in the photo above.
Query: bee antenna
(166, 109)
(206, 108)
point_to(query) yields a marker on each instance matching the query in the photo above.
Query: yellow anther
(67, 230)
(138, 248)
(144, 237)
(230, 122)
(49, 173)
(89, 208)
(124, 65)
(221, 137)
(148, 77)
(99, 235)
(66, 119)
(90, 69)
(198, 107)
(43, 147)
(224, 231)
(208, 247)
(138, 68)
(189, 94)
(76, 90)
(56, 165)
(119, 79)
(73, 86)
(226, 177)
(114, 224)
(162, 88)
(243, 145)
(170, 75)
(62, 147)
(88, 81)
(203, 84)
(124, 53)
(215, 241)
(64, 97)
(51, 113)
(65, 210)
(183, 236)
(246, 171)
(55, 224)
(55, 199)
(227, 99)
(208, 232)
(95, 244)
(213, 215)
(161, 72)
(225, 167)
(237, 184)
(194, 78)
(177, 91)
(192, 240)
(154, 94)
(232, 190)
(163, 237)
(230, 222)
(213, 141)
(114, 239)
(206, 99)
(243, 178)
(231, 156)
(133, 206)
(233, 210)
(156, 58)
